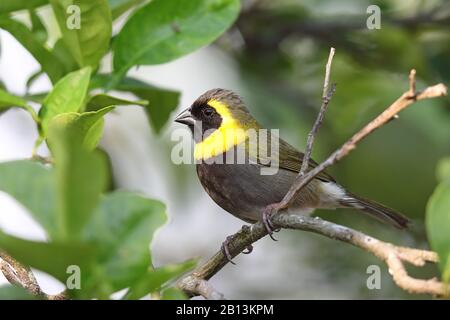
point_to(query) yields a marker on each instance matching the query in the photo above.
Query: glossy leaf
(87, 126)
(123, 228)
(161, 102)
(164, 30)
(53, 258)
(37, 27)
(61, 51)
(89, 41)
(438, 224)
(81, 176)
(8, 100)
(50, 64)
(36, 75)
(67, 96)
(100, 101)
(29, 183)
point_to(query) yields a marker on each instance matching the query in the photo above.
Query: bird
(222, 128)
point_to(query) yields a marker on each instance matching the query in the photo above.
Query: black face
(206, 117)
(203, 119)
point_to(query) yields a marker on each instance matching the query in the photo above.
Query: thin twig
(326, 97)
(412, 82)
(328, 73)
(392, 255)
(405, 100)
(41, 159)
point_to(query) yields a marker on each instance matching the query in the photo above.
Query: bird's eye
(208, 112)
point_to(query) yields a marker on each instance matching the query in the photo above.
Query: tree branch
(405, 100)
(194, 286)
(19, 275)
(393, 256)
(22, 276)
(326, 97)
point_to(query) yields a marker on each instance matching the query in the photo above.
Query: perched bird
(220, 123)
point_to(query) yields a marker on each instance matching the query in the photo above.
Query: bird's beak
(186, 118)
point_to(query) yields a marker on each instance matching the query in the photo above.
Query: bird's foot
(266, 219)
(226, 250)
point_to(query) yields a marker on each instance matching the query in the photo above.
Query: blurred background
(275, 56)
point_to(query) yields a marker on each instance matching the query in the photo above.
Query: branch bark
(394, 256)
(22, 276)
(19, 275)
(326, 97)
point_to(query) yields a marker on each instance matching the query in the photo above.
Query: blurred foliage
(438, 217)
(107, 235)
(11, 292)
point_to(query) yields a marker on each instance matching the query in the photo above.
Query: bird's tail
(376, 210)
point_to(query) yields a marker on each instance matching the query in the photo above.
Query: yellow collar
(228, 135)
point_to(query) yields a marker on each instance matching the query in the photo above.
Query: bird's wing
(289, 159)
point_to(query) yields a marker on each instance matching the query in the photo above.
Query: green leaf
(67, 96)
(438, 226)
(29, 183)
(88, 126)
(118, 7)
(61, 51)
(10, 292)
(50, 64)
(81, 176)
(154, 279)
(15, 5)
(123, 228)
(164, 30)
(173, 294)
(443, 169)
(90, 42)
(100, 101)
(8, 101)
(161, 102)
(33, 78)
(53, 258)
(38, 97)
(37, 27)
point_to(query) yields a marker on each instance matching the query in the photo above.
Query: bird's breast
(243, 191)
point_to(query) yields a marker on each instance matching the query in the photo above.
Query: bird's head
(218, 120)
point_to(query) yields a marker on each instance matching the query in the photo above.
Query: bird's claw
(226, 250)
(267, 214)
